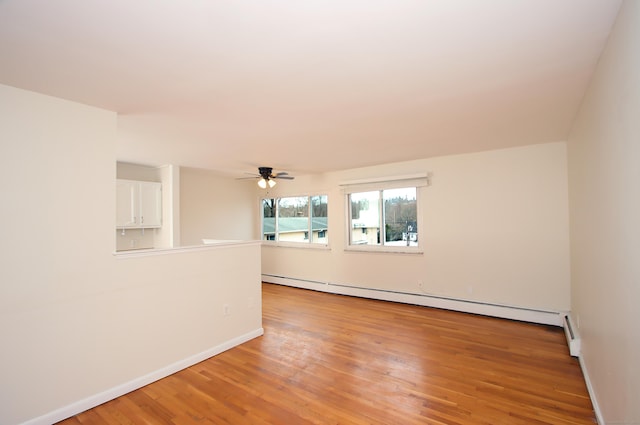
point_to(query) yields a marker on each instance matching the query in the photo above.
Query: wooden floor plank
(331, 359)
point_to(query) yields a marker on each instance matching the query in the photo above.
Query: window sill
(302, 245)
(385, 249)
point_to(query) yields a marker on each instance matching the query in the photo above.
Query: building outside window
(293, 219)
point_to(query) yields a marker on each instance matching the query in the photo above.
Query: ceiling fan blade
(266, 173)
(249, 176)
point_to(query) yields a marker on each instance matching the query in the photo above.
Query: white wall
(129, 171)
(494, 229)
(128, 239)
(604, 176)
(169, 234)
(76, 323)
(215, 207)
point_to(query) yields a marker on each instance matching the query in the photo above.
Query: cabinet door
(126, 204)
(150, 204)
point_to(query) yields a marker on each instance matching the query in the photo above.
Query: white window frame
(419, 181)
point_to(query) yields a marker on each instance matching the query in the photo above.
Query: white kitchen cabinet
(126, 212)
(138, 204)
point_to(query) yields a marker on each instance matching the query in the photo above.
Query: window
(386, 218)
(293, 219)
(297, 219)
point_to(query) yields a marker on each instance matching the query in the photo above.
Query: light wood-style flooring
(330, 359)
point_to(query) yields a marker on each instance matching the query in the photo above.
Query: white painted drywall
(494, 228)
(215, 207)
(127, 239)
(75, 320)
(604, 176)
(129, 171)
(168, 235)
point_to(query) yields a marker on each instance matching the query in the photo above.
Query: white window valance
(389, 182)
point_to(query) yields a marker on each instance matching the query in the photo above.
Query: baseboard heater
(427, 300)
(573, 339)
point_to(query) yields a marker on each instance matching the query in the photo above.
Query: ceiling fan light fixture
(267, 177)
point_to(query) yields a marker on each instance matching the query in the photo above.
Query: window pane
(319, 219)
(293, 219)
(400, 217)
(365, 218)
(269, 219)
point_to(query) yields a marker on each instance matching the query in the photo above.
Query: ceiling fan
(267, 178)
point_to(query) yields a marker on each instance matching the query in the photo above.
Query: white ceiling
(311, 85)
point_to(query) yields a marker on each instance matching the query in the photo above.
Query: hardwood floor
(330, 359)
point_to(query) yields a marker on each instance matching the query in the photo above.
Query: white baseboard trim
(467, 306)
(592, 394)
(115, 392)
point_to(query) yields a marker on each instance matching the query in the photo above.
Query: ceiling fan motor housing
(265, 172)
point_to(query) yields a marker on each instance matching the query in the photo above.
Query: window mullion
(276, 225)
(309, 219)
